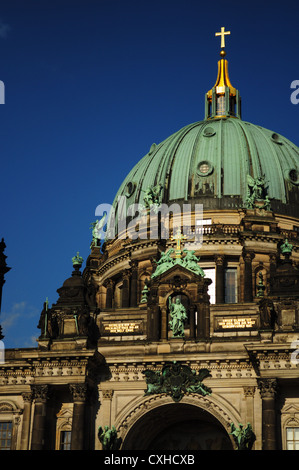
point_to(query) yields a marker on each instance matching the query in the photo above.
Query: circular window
(152, 149)
(275, 137)
(204, 168)
(292, 176)
(209, 131)
(130, 188)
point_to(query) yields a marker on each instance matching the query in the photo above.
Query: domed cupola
(217, 161)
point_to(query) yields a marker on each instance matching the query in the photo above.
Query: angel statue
(256, 190)
(152, 196)
(244, 438)
(108, 438)
(191, 262)
(97, 227)
(165, 262)
(178, 317)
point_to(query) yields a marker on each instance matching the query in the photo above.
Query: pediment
(291, 409)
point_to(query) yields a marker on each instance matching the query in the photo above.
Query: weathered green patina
(77, 260)
(257, 196)
(178, 317)
(188, 261)
(144, 294)
(286, 248)
(244, 437)
(211, 160)
(260, 286)
(176, 380)
(108, 438)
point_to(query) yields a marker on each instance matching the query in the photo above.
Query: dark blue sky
(89, 86)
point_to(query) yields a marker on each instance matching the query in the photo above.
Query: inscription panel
(235, 323)
(117, 327)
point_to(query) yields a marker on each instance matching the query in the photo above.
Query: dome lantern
(223, 100)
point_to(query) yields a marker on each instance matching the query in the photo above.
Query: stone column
(27, 398)
(164, 323)
(268, 390)
(126, 289)
(219, 260)
(39, 419)
(107, 396)
(249, 392)
(134, 284)
(153, 316)
(78, 424)
(273, 266)
(109, 284)
(192, 321)
(248, 257)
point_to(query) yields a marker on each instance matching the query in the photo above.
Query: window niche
(64, 427)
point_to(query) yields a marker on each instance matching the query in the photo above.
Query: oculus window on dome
(209, 131)
(130, 188)
(204, 168)
(292, 175)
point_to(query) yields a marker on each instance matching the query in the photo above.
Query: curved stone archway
(177, 426)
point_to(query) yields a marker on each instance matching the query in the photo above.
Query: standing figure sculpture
(178, 317)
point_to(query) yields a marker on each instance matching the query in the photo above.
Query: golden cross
(178, 238)
(222, 34)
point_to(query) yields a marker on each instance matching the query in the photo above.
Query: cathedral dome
(209, 162)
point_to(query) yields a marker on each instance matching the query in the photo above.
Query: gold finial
(223, 33)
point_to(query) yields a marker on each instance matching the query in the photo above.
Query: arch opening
(177, 426)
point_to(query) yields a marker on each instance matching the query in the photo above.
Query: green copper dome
(209, 162)
(222, 162)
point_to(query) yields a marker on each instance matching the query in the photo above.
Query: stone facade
(91, 373)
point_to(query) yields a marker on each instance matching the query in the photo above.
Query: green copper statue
(77, 260)
(178, 317)
(97, 227)
(108, 438)
(190, 262)
(145, 293)
(165, 262)
(152, 196)
(176, 380)
(286, 248)
(257, 189)
(260, 286)
(244, 438)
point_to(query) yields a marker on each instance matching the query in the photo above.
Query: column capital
(79, 392)
(28, 396)
(273, 258)
(219, 259)
(248, 255)
(108, 283)
(268, 387)
(108, 394)
(40, 393)
(126, 274)
(249, 391)
(134, 264)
